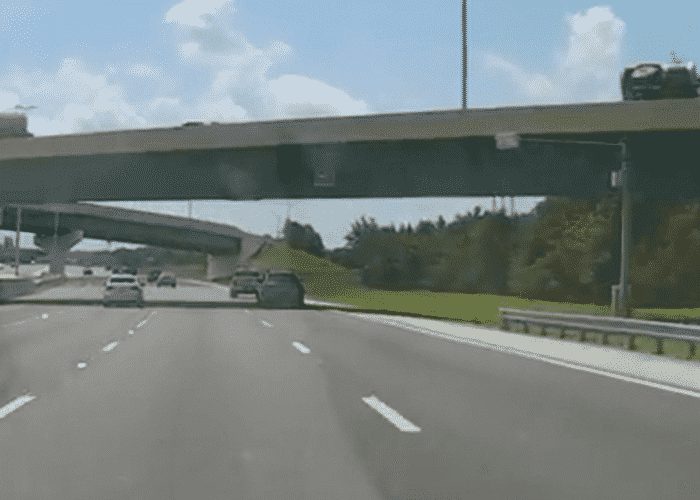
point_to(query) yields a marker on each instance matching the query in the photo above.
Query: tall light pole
(18, 227)
(620, 179)
(465, 54)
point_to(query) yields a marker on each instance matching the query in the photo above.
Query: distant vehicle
(87, 272)
(153, 275)
(244, 281)
(649, 81)
(281, 289)
(167, 280)
(125, 270)
(122, 289)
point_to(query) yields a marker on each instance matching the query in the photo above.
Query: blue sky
(90, 65)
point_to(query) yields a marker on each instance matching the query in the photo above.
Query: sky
(102, 65)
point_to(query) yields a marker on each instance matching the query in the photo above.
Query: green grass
(325, 280)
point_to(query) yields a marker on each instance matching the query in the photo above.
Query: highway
(187, 403)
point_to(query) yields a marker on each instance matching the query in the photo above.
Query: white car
(123, 289)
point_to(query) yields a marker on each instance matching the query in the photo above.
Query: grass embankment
(327, 281)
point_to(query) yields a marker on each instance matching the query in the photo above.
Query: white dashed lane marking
(110, 347)
(386, 411)
(82, 365)
(301, 347)
(16, 404)
(266, 324)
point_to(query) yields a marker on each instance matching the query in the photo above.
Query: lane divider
(111, 346)
(16, 404)
(301, 347)
(394, 417)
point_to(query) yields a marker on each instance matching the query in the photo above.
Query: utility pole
(465, 55)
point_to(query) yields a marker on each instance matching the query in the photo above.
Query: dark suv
(281, 289)
(649, 81)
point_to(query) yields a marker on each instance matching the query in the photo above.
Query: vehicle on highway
(280, 289)
(125, 270)
(167, 279)
(87, 272)
(245, 281)
(123, 289)
(648, 81)
(153, 275)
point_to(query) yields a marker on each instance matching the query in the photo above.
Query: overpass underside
(58, 228)
(665, 165)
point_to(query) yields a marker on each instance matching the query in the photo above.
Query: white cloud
(587, 69)
(195, 12)
(241, 85)
(73, 98)
(237, 75)
(8, 100)
(298, 95)
(143, 71)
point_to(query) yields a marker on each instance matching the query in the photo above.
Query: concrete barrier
(11, 288)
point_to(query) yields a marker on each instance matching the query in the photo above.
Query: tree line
(563, 250)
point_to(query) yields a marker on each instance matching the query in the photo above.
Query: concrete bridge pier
(221, 266)
(57, 247)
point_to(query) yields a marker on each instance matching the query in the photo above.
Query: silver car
(281, 289)
(123, 289)
(244, 281)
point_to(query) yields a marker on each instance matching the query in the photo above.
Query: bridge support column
(57, 248)
(221, 266)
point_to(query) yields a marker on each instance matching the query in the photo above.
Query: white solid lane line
(547, 359)
(386, 411)
(110, 347)
(16, 404)
(266, 324)
(301, 347)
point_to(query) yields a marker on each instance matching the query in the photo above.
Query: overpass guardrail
(605, 325)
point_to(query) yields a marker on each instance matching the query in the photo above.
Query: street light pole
(465, 59)
(621, 306)
(17, 234)
(621, 179)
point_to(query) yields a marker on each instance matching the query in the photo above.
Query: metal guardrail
(606, 325)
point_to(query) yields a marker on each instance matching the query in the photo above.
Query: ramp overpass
(58, 227)
(438, 153)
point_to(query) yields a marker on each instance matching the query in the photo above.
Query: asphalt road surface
(169, 403)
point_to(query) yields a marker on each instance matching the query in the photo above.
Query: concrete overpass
(58, 227)
(441, 153)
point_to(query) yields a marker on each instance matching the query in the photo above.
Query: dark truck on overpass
(648, 81)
